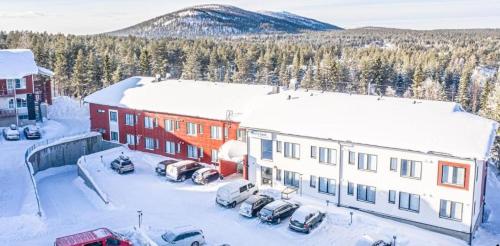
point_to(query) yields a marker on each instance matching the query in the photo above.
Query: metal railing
(6, 93)
(7, 113)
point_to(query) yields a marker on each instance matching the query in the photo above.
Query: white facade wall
(383, 179)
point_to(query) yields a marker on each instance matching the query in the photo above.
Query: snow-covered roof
(303, 212)
(45, 71)
(233, 150)
(421, 125)
(17, 63)
(184, 97)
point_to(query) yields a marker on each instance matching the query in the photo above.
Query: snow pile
(233, 150)
(67, 108)
(17, 63)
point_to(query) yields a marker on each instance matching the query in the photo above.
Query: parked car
(183, 236)
(11, 133)
(102, 236)
(32, 132)
(161, 167)
(235, 192)
(251, 206)
(277, 211)
(122, 164)
(205, 175)
(182, 170)
(305, 218)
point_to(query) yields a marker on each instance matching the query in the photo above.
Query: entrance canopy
(233, 150)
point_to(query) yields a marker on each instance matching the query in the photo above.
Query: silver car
(11, 133)
(184, 236)
(122, 164)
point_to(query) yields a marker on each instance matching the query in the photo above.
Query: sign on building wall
(261, 135)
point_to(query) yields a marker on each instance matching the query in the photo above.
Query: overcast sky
(96, 16)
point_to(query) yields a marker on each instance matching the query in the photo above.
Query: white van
(233, 193)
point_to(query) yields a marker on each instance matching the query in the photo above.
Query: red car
(97, 237)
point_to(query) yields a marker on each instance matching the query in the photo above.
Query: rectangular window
(279, 146)
(278, 174)
(313, 181)
(216, 132)
(215, 156)
(130, 139)
(292, 150)
(114, 136)
(178, 148)
(367, 162)
(10, 84)
(350, 188)
(314, 152)
(177, 125)
(170, 147)
(226, 132)
(241, 134)
(113, 116)
(327, 156)
(191, 129)
(148, 122)
(192, 152)
(200, 128)
(366, 193)
(410, 202)
(411, 169)
(169, 125)
(392, 196)
(19, 83)
(201, 154)
(149, 143)
(266, 149)
(394, 164)
(450, 210)
(326, 186)
(453, 175)
(292, 179)
(352, 157)
(129, 120)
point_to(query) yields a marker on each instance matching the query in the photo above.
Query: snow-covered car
(305, 218)
(161, 167)
(32, 132)
(251, 206)
(101, 236)
(122, 164)
(11, 133)
(182, 236)
(205, 176)
(235, 192)
(276, 211)
(182, 170)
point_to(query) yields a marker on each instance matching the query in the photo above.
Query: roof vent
(289, 97)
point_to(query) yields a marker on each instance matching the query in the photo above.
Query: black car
(32, 132)
(205, 176)
(182, 170)
(306, 218)
(251, 206)
(161, 167)
(276, 211)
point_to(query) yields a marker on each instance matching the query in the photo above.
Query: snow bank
(17, 63)
(67, 108)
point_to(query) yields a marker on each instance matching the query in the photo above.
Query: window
(327, 156)
(312, 181)
(352, 157)
(149, 122)
(10, 84)
(350, 188)
(292, 179)
(130, 139)
(410, 202)
(453, 175)
(101, 111)
(411, 169)
(450, 210)
(292, 150)
(114, 136)
(21, 83)
(394, 164)
(367, 162)
(278, 174)
(226, 132)
(201, 152)
(266, 149)
(216, 132)
(200, 128)
(366, 193)
(129, 120)
(149, 143)
(177, 125)
(113, 116)
(169, 125)
(191, 129)
(241, 134)
(313, 152)
(392, 196)
(266, 174)
(21, 103)
(192, 152)
(215, 155)
(170, 147)
(279, 146)
(326, 186)
(11, 103)
(178, 148)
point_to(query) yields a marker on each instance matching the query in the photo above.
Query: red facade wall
(99, 116)
(227, 168)
(29, 86)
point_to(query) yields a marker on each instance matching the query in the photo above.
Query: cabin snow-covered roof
(184, 97)
(17, 63)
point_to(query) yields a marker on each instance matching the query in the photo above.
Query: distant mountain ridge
(222, 20)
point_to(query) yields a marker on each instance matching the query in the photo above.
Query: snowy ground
(69, 206)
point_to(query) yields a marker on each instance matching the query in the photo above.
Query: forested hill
(221, 20)
(452, 65)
